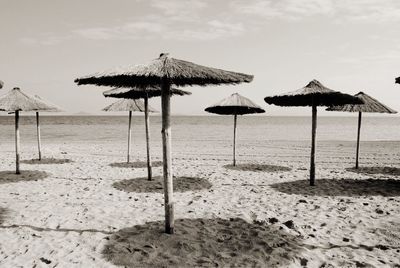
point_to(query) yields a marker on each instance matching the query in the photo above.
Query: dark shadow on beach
(258, 167)
(342, 187)
(203, 243)
(47, 229)
(137, 164)
(3, 214)
(26, 175)
(143, 185)
(394, 171)
(46, 161)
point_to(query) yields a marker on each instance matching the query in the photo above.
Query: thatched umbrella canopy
(139, 93)
(235, 105)
(314, 94)
(164, 72)
(16, 101)
(370, 105)
(398, 80)
(129, 105)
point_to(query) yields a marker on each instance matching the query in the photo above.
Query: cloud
(204, 20)
(179, 9)
(184, 20)
(370, 11)
(127, 31)
(389, 56)
(46, 39)
(209, 30)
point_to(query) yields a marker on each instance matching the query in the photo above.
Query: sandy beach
(85, 208)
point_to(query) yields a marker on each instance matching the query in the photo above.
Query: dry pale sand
(88, 212)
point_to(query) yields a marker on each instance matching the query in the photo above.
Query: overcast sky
(349, 46)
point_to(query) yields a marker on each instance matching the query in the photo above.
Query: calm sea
(202, 128)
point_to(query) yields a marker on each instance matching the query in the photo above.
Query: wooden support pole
(234, 139)
(313, 134)
(17, 143)
(38, 136)
(358, 138)
(147, 123)
(129, 135)
(167, 165)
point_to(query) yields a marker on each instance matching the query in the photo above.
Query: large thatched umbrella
(314, 94)
(139, 93)
(235, 105)
(370, 105)
(164, 72)
(128, 105)
(16, 101)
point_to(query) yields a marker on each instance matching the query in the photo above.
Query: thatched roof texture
(398, 80)
(16, 100)
(140, 93)
(235, 104)
(370, 105)
(128, 105)
(313, 93)
(52, 107)
(174, 71)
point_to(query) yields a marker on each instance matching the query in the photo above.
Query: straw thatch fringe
(235, 104)
(140, 93)
(370, 105)
(314, 93)
(16, 100)
(128, 105)
(177, 72)
(52, 107)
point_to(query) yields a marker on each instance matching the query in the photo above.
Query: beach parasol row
(314, 94)
(370, 105)
(235, 105)
(16, 101)
(145, 94)
(128, 105)
(164, 72)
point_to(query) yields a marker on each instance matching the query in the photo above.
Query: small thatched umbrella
(130, 105)
(139, 93)
(164, 72)
(16, 101)
(370, 105)
(235, 105)
(314, 94)
(398, 80)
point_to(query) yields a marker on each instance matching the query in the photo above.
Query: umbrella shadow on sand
(342, 187)
(26, 175)
(143, 185)
(137, 164)
(3, 214)
(376, 170)
(203, 243)
(258, 167)
(47, 161)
